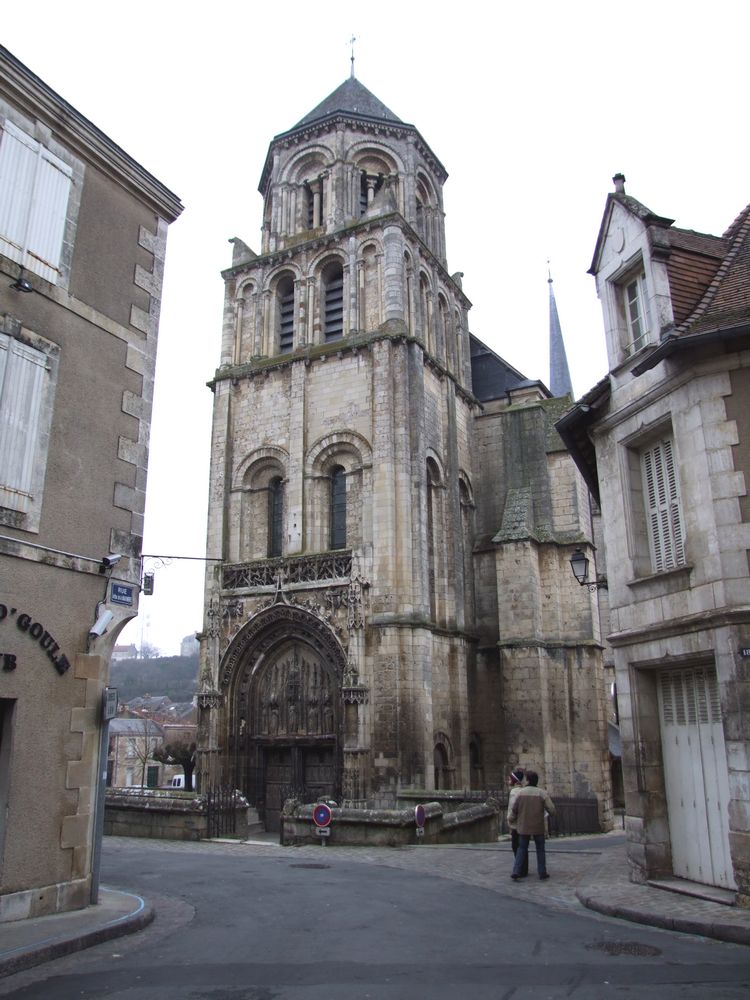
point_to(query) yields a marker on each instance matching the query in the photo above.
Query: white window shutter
(34, 191)
(23, 371)
(18, 158)
(47, 221)
(663, 506)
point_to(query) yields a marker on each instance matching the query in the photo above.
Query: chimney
(619, 182)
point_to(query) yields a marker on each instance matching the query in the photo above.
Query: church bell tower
(335, 647)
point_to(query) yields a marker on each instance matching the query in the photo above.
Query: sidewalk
(607, 889)
(24, 943)
(591, 871)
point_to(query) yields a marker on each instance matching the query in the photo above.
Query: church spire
(559, 376)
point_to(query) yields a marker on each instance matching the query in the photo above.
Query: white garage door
(695, 775)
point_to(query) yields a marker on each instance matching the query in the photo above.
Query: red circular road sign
(322, 815)
(419, 815)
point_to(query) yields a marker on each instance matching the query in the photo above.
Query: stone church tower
(366, 498)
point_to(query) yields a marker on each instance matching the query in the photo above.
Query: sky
(531, 108)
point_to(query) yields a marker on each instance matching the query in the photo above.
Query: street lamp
(580, 566)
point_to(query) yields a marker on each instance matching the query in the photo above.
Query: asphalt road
(261, 923)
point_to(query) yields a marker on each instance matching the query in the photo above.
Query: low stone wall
(163, 815)
(475, 824)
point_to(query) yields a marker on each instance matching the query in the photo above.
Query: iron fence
(221, 811)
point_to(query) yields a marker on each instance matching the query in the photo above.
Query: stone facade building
(83, 231)
(665, 440)
(391, 506)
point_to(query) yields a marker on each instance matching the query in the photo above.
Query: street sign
(109, 703)
(419, 817)
(322, 815)
(323, 831)
(121, 593)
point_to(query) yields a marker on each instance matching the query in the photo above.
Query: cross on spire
(352, 40)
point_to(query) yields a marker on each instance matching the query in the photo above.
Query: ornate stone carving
(263, 573)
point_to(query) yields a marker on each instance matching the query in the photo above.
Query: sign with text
(121, 593)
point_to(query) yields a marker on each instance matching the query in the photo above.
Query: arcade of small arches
(289, 310)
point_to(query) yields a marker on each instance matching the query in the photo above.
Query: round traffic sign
(419, 815)
(321, 814)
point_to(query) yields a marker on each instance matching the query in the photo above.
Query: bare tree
(182, 753)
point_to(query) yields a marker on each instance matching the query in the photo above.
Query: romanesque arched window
(333, 302)
(260, 489)
(285, 314)
(425, 313)
(275, 515)
(433, 532)
(338, 508)
(369, 186)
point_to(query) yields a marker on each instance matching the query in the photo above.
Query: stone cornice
(38, 101)
(701, 622)
(354, 343)
(369, 126)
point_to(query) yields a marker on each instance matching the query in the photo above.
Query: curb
(728, 932)
(28, 956)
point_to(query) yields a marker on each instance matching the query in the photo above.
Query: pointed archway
(281, 677)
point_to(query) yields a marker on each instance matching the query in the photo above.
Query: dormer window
(635, 305)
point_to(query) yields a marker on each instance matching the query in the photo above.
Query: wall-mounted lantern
(580, 566)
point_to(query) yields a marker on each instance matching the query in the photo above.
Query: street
(260, 922)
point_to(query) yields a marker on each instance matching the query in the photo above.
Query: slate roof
(491, 376)
(134, 727)
(351, 98)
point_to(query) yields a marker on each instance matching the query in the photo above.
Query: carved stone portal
(294, 695)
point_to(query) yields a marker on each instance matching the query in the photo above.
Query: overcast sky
(531, 107)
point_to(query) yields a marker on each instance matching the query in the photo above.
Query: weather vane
(352, 40)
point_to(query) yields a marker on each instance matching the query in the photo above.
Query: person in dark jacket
(515, 780)
(527, 812)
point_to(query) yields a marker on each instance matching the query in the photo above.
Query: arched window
(338, 508)
(433, 527)
(442, 766)
(275, 515)
(285, 305)
(424, 313)
(369, 185)
(333, 302)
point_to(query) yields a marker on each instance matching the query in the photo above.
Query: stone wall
(470, 824)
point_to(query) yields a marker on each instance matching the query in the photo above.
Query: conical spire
(559, 376)
(351, 98)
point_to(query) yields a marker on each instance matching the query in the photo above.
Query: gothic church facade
(391, 506)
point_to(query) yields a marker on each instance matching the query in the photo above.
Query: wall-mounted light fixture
(21, 284)
(580, 566)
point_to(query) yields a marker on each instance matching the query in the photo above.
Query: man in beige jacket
(527, 813)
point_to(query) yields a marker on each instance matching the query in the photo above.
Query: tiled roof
(726, 300)
(692, 264)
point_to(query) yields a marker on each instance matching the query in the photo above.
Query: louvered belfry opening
(333, 302)
(286, 315)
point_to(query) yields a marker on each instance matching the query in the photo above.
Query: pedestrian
(527, 812)
(515, 780)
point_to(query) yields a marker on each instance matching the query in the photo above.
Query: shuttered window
(333, 303)
(23, 376)
(663, 514)
(34, 190)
